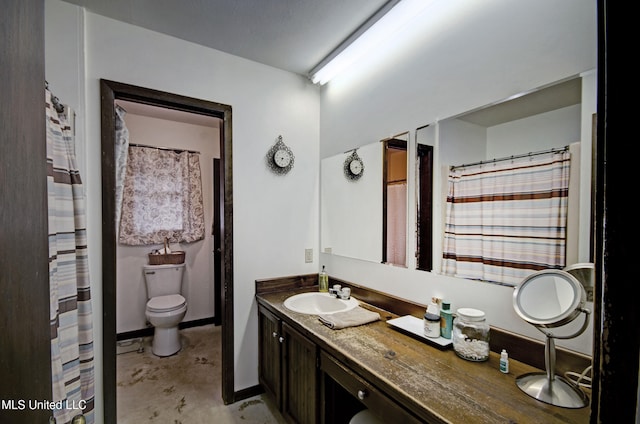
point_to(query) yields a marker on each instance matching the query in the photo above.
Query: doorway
(394, 200)
(110, 92)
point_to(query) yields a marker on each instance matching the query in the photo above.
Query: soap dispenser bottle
(434, 307)
(323, 281)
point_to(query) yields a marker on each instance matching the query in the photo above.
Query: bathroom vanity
(320, 375)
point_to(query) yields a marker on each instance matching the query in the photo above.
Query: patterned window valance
(162, 197)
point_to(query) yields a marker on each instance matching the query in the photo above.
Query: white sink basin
(316, 303)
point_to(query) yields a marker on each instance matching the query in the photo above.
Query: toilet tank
(163, 279)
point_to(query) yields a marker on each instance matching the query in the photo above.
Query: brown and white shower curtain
(72, 363)
(505, 220)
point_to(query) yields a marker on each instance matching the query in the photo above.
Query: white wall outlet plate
(308, 255)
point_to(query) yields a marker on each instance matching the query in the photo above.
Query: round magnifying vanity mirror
(549, 299)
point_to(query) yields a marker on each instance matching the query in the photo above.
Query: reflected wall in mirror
(354, 212)
(351, 210)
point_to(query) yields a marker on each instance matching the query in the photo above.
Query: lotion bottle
(504, 362)
(446, 320)
(323, 281)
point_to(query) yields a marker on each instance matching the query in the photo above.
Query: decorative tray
(414, 327)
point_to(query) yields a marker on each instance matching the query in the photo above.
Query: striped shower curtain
(70, 297)
(505, 220)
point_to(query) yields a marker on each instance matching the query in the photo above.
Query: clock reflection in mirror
(353, 166)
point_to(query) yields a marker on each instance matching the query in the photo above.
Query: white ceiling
(293, 35)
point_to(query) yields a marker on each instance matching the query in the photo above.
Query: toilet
(365, 417)
(166, 307)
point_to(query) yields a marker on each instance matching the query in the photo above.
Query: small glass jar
(471, 335)
(431, 325)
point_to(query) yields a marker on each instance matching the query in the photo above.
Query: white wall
(480, 53)
(197, 283)
(266, 102)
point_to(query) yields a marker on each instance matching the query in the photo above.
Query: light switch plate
(308, 255)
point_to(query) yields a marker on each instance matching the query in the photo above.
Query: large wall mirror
(549, 118)
(364, 207)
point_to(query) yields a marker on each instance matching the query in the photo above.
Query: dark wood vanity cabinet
(299, 377)
(311, 386)
(288, 368)
(345, 392)
(320, 375)
(270, 354)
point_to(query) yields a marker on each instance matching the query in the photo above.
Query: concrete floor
(183, 388)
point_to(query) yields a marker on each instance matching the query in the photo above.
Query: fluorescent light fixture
(378, 29)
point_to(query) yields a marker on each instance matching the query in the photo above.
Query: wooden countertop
(435, 384)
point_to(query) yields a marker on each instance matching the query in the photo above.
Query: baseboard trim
(148, 332)
(247, 393)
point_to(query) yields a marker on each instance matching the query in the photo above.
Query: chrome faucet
(333, 291)
(339, 292)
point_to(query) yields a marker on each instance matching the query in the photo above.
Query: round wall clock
(353, 166)
(280, 158)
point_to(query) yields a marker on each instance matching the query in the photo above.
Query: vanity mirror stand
(550, 299)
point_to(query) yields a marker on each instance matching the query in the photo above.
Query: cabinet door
(270, 354)
(300, 377)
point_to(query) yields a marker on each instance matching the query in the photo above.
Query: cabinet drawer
(384, 407)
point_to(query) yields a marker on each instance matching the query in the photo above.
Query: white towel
(351, 318)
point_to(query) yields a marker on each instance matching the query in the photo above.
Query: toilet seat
(167, 303)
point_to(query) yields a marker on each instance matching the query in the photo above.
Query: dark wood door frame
(388, 145)
(216, 231)
(424, 247)
(109, 92)
(25, 332)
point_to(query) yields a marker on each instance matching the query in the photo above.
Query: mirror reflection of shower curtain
(72, 365)
(507, 219)
(397, 223)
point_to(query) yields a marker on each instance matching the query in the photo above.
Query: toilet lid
(166, 303)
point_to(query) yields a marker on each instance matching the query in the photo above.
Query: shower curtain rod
(523, 155)
(173, 149)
